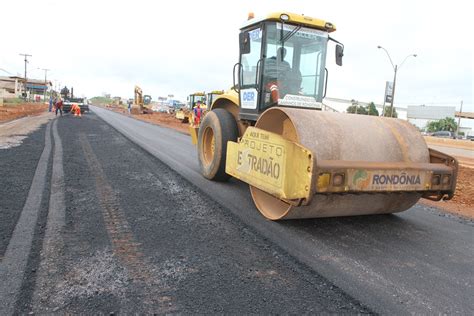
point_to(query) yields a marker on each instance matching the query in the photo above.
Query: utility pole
(26, 62)
(395, 69)
(45, 81)
(393, 89)
(459, 120)
(384, 99)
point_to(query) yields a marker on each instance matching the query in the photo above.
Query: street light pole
(393, 89)
(395, 69)
(459, 119)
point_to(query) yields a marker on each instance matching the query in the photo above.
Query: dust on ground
(12, 133)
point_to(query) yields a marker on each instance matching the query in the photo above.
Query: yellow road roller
(301, 162)
(195, 123)
(211, 96)
(185, 113)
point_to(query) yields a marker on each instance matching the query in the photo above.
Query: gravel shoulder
(14, 132)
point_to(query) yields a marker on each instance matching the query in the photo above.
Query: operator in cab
(274, 68)
(277, 68)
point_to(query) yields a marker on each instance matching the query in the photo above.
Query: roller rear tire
(217, 128)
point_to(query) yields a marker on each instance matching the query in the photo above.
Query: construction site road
(418, 261)
(459, 152)
(91, 224)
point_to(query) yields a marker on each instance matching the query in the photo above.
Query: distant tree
(388, 112)
(433, 126)
(449, 124)
(446, 124)
(372, 110)
(355, 108)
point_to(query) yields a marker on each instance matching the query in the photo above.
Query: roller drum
(347, 137)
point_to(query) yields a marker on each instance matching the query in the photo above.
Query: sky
(178, 47)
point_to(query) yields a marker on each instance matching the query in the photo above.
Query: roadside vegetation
(13, 101)
(446, 124)
(101, 101)
(370, 109)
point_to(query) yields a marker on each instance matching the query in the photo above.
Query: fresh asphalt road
(93, 224)
(420, 261)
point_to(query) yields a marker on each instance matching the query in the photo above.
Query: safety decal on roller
(261, 157)
(388, 180)
(300, 101)
(249, 98)
(271, 163)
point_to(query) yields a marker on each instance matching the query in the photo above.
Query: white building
(13, 86)
(420, 115)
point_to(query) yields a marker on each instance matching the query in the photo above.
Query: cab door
(250, 71)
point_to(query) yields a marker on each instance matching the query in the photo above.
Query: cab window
(249, 61)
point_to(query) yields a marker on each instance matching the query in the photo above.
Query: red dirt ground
(463, 201)
(158, 118)
(12, 112)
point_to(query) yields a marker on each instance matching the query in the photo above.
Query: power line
(6, 71)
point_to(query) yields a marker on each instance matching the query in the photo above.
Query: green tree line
(370, 109)
(446, 124)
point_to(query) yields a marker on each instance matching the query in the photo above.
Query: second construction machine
(185, 113)
(301, 162)
(139, 102)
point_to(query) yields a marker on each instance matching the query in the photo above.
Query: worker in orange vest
(76, 109)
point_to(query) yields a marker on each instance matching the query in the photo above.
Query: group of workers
(56, 105)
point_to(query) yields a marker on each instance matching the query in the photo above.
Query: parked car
(443, 134)
(161, 108)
